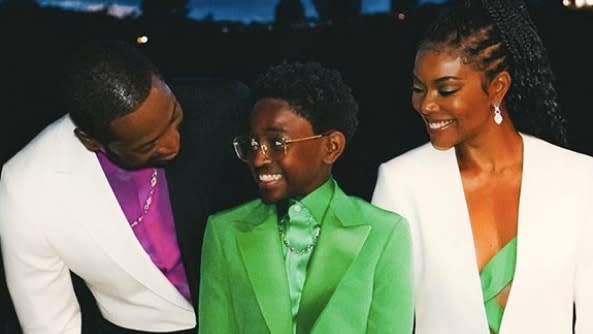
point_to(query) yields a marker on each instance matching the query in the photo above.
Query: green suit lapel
(343, 234)
(262, 256)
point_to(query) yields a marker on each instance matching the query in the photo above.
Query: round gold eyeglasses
(273, 149)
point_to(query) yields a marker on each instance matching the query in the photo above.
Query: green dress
(495, 276)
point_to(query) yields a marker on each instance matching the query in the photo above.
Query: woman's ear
(335, 145)
(89, 142)
(499, 87)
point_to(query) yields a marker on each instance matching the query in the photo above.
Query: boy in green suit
(305, 258)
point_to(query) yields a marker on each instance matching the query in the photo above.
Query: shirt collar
(318, 200)
(110, 168)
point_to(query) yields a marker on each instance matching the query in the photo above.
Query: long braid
(532, 97)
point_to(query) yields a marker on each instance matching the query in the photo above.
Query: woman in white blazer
(501, 221)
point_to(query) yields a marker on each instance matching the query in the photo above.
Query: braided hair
(499, 35)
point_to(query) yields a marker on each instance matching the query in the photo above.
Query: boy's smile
(302, 168)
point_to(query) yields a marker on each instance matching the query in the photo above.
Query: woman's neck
(492, 152)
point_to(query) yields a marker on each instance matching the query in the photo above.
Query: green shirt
(304, 224)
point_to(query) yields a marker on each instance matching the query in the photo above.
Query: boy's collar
(316, 201)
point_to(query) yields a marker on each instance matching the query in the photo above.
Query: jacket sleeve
(393, 193)
(38, 280)
(392, 308)
(584, 274)
(215, 307)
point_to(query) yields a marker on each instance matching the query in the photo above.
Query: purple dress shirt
(156, 232)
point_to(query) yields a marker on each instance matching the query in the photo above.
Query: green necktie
(299, 235)
(300, 229)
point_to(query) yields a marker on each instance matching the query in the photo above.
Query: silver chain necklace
(148, 201)
(299, 251)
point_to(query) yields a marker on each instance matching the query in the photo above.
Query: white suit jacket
(58, 212)
(555, 241)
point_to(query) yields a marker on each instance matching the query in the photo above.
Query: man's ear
(89, 142)
(335, 145)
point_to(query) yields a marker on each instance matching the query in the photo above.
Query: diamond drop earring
(497, 114)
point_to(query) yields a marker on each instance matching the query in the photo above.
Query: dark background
(373, 53)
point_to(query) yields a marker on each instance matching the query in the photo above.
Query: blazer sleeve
(38, 280)
(394, 193)
(584, 275)
(392, 308)
(389, 190)
(215, 306)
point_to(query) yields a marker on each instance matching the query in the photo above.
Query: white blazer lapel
(538, 237)
(450, 266)
(101, 216)
(511, 321)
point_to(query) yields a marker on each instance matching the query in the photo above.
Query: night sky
(238, 10)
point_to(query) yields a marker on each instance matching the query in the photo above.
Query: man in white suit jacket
(59, 214)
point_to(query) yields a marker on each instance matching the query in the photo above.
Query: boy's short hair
(314, 92)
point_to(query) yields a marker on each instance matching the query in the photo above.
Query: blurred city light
(142, 39)
(580, 4)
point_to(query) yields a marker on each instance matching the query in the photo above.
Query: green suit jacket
(359, 278)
